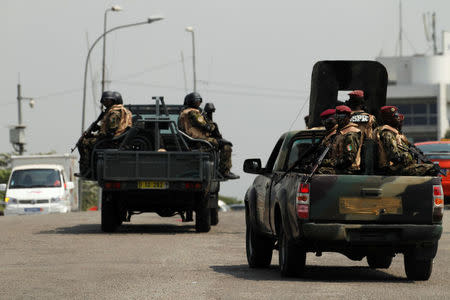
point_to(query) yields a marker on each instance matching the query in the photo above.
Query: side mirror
(253, 166)
(70, 185)
(2, 187)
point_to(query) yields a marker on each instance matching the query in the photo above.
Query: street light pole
(113, 8)
(191, 30)
(149, 20)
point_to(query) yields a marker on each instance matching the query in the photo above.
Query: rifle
(322, 156)
(420, 156)
(299, 160)
(88, 130)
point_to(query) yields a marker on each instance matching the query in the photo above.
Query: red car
(439, 151)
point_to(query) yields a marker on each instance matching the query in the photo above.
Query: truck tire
(109, 214)
(214, 216)
(417, 268)
(259, 248)
(379, 261)
(291, 257)
(203, 219)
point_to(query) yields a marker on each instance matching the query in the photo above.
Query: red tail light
(112, 185)
(438, 203)
(193, 185)
(302, 200)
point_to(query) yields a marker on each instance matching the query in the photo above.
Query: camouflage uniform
(116, 120)
(394, 157)
(365, 121)
(328, 164)
(196, 126)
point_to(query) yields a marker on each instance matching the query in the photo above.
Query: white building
(420, 87)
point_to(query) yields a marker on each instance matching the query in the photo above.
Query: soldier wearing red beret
(393, 147)
(366, 122)
(345, 156)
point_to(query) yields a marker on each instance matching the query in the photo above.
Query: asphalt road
(67, 256)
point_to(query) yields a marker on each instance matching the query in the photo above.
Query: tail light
(302, 200)
(193, 185)
(438, 203)
(112, 185)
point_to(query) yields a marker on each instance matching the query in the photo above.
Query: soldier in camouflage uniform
(115, 121)
(329, 122)
(365, 121)
(345, 156)
(194, 124)
(395, 157)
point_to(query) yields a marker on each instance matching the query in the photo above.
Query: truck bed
(152, 165)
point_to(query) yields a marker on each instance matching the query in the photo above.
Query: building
(420, 87)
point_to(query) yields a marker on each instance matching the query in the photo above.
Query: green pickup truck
(366, 215)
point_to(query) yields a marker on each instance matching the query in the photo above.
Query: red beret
(326, 113)
(343, 109)
(356, 94)
(389, 110)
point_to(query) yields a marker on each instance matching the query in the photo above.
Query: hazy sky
(254, 60)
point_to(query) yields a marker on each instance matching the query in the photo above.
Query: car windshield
(35, 178)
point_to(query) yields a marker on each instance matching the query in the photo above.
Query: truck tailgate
(151, 165)
(375, 199)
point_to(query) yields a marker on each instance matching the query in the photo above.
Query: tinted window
(34, 178)
(419, 108)
(404, 108)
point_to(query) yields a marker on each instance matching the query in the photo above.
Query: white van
(37, 189)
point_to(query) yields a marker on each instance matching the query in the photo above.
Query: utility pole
(184, 72)
(17, 133)
(400, 32)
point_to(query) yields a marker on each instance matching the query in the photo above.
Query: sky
(254, 60)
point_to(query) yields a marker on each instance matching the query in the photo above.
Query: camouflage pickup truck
(366, 215)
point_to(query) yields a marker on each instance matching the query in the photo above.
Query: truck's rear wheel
(110, 214)
(291, 257)
(214, 216)
(417, 268)
(379, 261)
(259, 248)
(203, 219)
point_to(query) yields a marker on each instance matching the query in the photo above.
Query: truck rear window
(297, 149)
(35, 178)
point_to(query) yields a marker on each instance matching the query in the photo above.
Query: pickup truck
(365, 215)
(157, 168)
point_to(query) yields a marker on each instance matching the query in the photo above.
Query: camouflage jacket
(393, 149)
(365, 121)
(194, 124)
(347, 148)
(116, 120)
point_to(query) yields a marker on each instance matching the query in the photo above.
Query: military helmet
(209, 107)
(191, 98)
(118, 98)
(108, 95)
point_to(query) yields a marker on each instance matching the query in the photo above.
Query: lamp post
(149, 20)
(113, 8)
(191, 30)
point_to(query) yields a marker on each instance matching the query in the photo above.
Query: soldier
(395, 156)
(365, 121)
(329, 122)
(194, 124)
(346, 151)
(116, 119)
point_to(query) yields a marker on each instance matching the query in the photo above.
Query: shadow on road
(128, 228)
(312, 273)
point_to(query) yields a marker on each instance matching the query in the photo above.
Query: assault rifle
(91, 128)
(420, 156)
(322, 156)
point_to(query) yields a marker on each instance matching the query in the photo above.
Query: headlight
(55, 200)
(9, 200)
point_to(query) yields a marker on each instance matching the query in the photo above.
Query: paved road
(66, 256)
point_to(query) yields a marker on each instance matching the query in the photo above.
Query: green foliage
(90, 194)
(229, 200)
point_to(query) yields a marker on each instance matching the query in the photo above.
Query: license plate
(154, 185)
(32, 209)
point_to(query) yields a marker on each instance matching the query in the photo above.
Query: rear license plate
(154, 185)
(368, 206)
(32, 209)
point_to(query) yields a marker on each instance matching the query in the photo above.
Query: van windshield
(35, 178)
